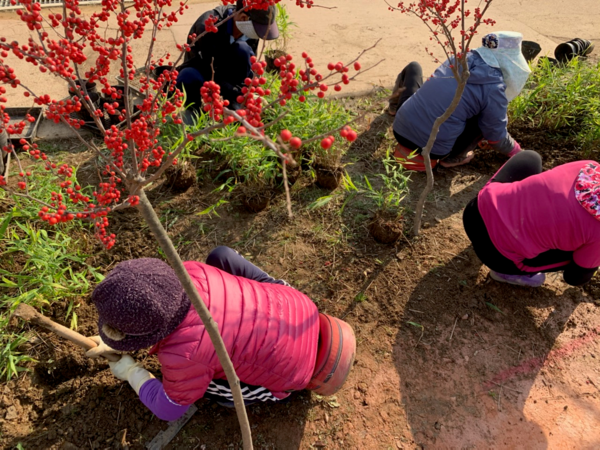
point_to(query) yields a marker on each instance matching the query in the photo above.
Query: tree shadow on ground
(468, 352)
(453, 187)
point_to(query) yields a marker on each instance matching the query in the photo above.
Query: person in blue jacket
(498, 73)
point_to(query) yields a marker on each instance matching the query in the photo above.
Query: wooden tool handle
(29, 314)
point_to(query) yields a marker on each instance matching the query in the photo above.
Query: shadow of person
(368, 142)
(453, 189)
(472, 355)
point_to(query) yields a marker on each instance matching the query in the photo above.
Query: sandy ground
(343, 32)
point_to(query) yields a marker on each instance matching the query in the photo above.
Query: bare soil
(446, 357)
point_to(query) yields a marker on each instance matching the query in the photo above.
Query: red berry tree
(445, 18)
(132, 156)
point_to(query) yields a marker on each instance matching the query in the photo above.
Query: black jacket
(230, 68)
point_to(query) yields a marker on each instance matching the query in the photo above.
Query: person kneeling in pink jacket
(525, 222)
(277, 340)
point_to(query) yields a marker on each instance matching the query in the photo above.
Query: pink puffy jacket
(271, 332)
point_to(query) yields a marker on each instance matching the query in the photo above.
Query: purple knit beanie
(140, 302)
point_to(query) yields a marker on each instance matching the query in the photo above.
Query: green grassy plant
(395, 186)
(248, 161)
(564, 99)
(285, 25)
(37, 267)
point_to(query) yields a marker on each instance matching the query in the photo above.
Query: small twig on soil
(414, 310)
(499, 397)
(42, 339)
(510, 348)
(119, 413)
(420, 337)
(482, 350)
(593, 384)
(408, 242)
(506, 387)
(456, 256)
(479, 336)
(452, 334)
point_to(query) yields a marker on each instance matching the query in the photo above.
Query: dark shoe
(457, 160)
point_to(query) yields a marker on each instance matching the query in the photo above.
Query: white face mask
(247, 29)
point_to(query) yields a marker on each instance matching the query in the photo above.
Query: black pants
(230, 261)
(518, 168)
(411, 79)
(407, 83)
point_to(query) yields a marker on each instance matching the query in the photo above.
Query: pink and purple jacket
(271, 332)
(541, 213)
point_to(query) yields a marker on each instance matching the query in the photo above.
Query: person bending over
(498, 73)
(227, 52)
(276, 339)
(526, 222)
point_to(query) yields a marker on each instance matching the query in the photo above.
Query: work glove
(101, 350)
(127, 369)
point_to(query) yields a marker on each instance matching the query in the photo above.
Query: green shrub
(565, 100)
(249, 161)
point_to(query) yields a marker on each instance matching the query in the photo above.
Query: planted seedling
(387, 222)
(278, 47)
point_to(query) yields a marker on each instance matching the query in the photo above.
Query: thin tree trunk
(427, 150)
(211, 326)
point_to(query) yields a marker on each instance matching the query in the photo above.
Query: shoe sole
(467, 160)
(502, 280)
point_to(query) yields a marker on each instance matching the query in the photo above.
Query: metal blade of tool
(161, 440)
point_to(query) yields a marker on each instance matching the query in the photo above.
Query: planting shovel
(29, 314)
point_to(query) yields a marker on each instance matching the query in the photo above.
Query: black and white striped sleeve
(219, 389)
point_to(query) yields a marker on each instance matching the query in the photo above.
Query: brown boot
(394, 100)
(458, 160)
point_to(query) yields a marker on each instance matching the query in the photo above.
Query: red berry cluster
(348, 133)
(289, 82)
(286, 136)
(252, 93)
(309, 75)
(209, 24)
(443, 17)
(212, 102)
(303, 3)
